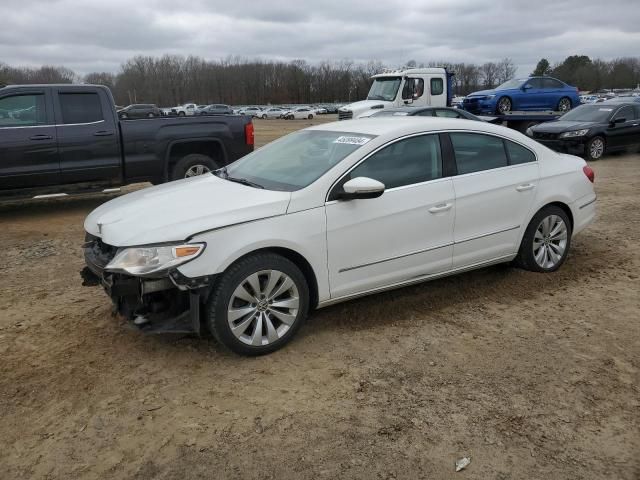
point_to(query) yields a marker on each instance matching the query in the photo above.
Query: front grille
(544, 136)
(97, 254)
(345, 114)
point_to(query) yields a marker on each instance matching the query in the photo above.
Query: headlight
(146, 260)
(489, 97)
(575, 133)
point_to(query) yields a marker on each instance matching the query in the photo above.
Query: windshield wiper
(244, 181)
(375, 97)
(222, 173)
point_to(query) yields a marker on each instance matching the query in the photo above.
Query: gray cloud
(94, 35)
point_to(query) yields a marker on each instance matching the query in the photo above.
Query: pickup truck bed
(64, 138)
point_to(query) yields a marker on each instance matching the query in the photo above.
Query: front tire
(546, 241)
(193, 165)
(182, 114)
(595, 148)
(504, 106)
(258, 304)
(310, 117)
(264, 116)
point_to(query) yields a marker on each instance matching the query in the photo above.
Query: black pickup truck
(64, 138)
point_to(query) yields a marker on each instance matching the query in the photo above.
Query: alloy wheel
(550, 241)
(196, 170)
(504, 105)
(564, 105)
(596, 148)
(263, 307)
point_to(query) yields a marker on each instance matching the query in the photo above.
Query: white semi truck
(418, 87)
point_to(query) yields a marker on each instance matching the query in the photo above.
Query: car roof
(407, 125)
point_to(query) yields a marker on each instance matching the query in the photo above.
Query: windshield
(297, 160)
(515, 83)
(384, 88)
(390, 113)
(588, 113)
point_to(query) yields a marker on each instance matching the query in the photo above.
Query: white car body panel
(394, 240)
(375, 242)
(176, 210)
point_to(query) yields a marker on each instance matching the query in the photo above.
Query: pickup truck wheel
(181, 114)
(310, 116)
(193, 165)
(258, 304)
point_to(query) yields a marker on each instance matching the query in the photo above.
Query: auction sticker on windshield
(352, 140)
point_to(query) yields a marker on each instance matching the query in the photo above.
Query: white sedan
(273, 112)
(299, 114)
(330, 213)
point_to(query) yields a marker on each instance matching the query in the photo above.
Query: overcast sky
(98, 35)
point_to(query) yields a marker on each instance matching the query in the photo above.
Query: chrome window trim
(55, 125)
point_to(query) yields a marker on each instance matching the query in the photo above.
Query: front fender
(302, 232)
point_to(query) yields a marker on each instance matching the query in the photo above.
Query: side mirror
(361, 188)
(618, 120)
(526, 87)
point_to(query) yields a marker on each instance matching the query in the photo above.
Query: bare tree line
(171, 80)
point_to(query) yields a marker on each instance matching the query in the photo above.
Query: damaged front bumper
(167, 303)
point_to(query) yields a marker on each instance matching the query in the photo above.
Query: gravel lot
(531, 376)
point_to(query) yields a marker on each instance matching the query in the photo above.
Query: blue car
(531, 93)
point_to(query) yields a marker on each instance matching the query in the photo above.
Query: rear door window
(80, 108)
(475, 152)
(519, 154)
(551, 83)
(23, 110)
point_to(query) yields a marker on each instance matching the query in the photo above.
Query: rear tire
(189, 166)
(546, 241)
(310, 117)
(264, 116)
(242, 313)
(564, 105)
(595, 148)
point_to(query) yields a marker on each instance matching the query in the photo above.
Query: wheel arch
(177, 149)
(298, 260)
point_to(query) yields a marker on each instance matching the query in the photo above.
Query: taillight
(248, 133)
(588, 171)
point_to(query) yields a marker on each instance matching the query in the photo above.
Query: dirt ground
(531, 376)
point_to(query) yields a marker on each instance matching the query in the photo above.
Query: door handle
(525, 187)
(40, 137)
(103, 133)
(441, 208)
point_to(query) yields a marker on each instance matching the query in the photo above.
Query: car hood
(365, 106)
(177, 210)
(560, 126)
(482, 93)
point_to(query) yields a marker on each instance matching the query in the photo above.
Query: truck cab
(418, 87)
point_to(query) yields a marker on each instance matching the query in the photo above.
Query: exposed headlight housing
(575, 133)
(153, 259)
